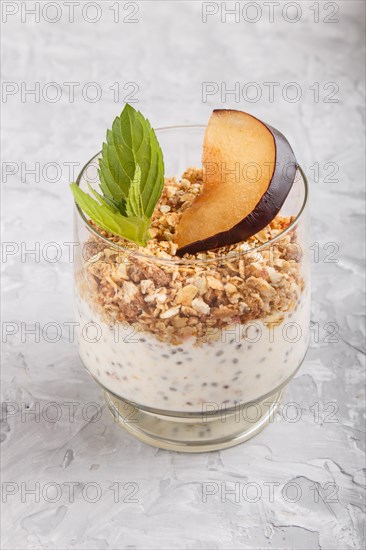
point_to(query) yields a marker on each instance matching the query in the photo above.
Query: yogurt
(243, 364)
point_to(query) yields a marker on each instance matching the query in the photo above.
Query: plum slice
(249, 168)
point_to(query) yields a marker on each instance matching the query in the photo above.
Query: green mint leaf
(132, 142)
(131, 178)
(103, 200)
(133, 228)
(134, 203)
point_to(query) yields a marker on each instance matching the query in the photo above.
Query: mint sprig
(131, 175)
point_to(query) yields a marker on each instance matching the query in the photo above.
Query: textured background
(317, 460)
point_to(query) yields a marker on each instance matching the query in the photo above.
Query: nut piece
(186, 294)
(199, 305)
(200, 283)
(230, 288)
(274, 276)
(146, 286)
(215, 283)
(170, 312)
(122, 271)
(129, 292)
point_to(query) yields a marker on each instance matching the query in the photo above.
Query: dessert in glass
(194, 330)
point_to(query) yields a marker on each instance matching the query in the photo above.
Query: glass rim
(176, 260)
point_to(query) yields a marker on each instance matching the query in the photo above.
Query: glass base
(202, 432)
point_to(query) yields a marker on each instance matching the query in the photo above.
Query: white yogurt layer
(244, 364)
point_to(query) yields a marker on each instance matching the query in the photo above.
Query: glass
(185, 382)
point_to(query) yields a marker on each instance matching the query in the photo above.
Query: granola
(177, 299)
